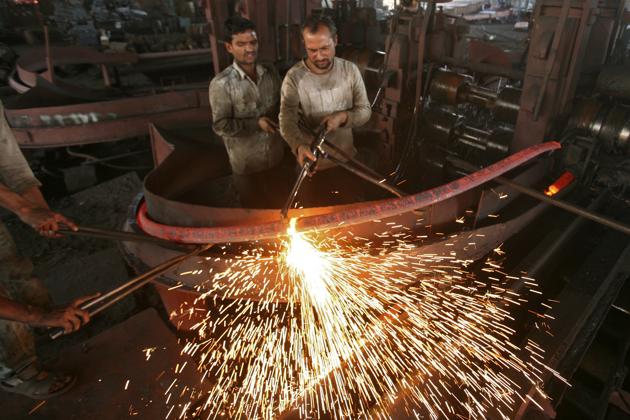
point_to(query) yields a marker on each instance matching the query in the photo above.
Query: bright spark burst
(344, 329)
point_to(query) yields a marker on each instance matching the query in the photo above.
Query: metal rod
(50, 75)
(532, 265)
(551, 56)
(117, 235)
(367, 177)
(483, 68)
(296, 188)
(151, 273)
(355, 162)
(571, 208)
(132, 285)
(565, 236)
(306, 169)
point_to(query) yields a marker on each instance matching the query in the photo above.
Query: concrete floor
(115, 378)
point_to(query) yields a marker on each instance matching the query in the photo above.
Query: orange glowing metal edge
(561, 183)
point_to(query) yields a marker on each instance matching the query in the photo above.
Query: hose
(361, 213)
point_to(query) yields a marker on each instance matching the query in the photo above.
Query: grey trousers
(17, 344)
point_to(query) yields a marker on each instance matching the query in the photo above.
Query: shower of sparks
(347, 327)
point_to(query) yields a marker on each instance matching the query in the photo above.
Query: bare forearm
(32, 209)
(12, 201)
(15, 311)
(70, 317)
(34, 195)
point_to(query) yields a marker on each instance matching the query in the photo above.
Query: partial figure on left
(24, 301)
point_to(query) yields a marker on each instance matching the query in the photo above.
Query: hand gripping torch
(309, 165)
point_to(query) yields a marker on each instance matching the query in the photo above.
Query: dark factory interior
(315, 209)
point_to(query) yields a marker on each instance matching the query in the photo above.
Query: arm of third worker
(32, 209)
(361, 110)
(19, 189)
(70, 317)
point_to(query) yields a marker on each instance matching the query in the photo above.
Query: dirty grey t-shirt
(15, 173)
(308, 97)
(237, 102)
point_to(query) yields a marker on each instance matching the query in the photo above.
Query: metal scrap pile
(142, 26)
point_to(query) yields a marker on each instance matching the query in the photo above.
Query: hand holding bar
(131, 286)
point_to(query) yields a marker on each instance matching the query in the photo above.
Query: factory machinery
(445, 106)
(479, 141)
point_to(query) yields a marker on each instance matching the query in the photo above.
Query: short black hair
(237, 25)
(314, 21)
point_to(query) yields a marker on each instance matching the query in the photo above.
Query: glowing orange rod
(563, 182)
(560, 184)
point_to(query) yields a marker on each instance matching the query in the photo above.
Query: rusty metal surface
(557, 60)
(177, 290)
(94, 112)
(513, 74)
(571, 326)
(160, 150)
(216, 14)
(169, 185)
(585, 115)
(495, 199)
(32, 64)
(102, 131)
(59, 93)
(614, 80)
(449, 87)
(486, 53)
(101, 121)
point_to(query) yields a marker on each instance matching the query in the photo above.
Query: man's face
(320, 47)
(244, 47)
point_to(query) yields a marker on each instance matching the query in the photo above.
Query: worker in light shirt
(324, 91)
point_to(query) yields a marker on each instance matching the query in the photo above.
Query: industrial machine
(445, 104)
(477, 141)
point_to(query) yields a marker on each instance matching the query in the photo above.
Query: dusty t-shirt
(237, 103)
(308, 97)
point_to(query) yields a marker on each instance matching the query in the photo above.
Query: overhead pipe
(361, 213)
